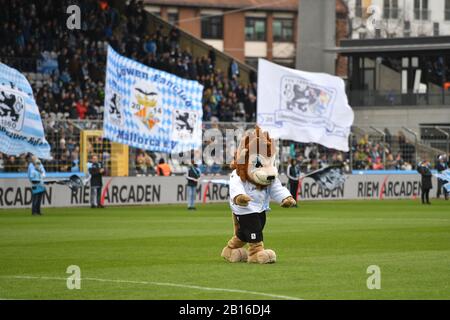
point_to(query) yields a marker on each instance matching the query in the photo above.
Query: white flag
(303, 106)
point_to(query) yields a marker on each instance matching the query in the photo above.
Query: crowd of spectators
(75, 59)
(67, 67)
(34, 38)
(367, 153)
(370, 155)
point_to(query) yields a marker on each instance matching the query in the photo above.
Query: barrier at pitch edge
(16, 193)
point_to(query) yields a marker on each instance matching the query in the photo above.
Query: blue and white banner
(303, 106)
(151, 109)
(21, 129)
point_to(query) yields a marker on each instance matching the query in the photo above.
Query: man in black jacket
(293, 174)
(96, 171)
(424, 169)
(441, 167)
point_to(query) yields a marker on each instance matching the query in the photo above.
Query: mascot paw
(234, 255)
(263, 257)
(242, 200)
(288, 202)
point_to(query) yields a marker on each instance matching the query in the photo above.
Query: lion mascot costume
(253, 182)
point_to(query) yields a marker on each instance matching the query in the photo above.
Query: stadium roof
(380, 45)
(284, 5)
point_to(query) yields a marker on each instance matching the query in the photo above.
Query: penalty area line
(165, 284)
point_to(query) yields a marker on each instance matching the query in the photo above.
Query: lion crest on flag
(148, 104)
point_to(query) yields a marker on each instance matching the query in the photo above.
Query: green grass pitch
(167, 252)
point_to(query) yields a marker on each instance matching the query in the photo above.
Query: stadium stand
(67, 71)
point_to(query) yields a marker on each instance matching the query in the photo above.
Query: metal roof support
(384, 143)
(448, 138)
(416, 140)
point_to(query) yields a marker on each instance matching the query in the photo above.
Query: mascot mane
(253, 142)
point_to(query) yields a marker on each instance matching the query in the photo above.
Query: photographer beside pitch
(36, 175)
(192, 176)
(424, 168)
(96, 172)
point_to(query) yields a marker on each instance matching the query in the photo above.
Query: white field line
(165, 284)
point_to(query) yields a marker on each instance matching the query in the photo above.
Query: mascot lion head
(254, 160)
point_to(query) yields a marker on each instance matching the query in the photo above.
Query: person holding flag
(36, 175)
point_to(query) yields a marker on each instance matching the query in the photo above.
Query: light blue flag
(21, 129)
(445, 176)
(151, 109)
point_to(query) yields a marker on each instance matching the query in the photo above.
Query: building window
(172, 17)
(253, 62)
(283, 30)
(255, 29)
(358, 8)
(447, 9)
(153, 10)
(421, 11)
(390, 9)
(212, 27)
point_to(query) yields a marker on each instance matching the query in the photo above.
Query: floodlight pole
(384, 144)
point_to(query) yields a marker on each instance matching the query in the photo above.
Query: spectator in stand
(12, 164)
(163, 169)
(360, 159)
(150, 164)
(323, 162)
(140, 164)
(375, 154)
(2, 162)
(81, 109)
(378, 165)
(250, 107)
(233, 70)
(399, 162)
(390, 162)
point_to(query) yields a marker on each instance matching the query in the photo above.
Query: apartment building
(244, 29)
(398, 18)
